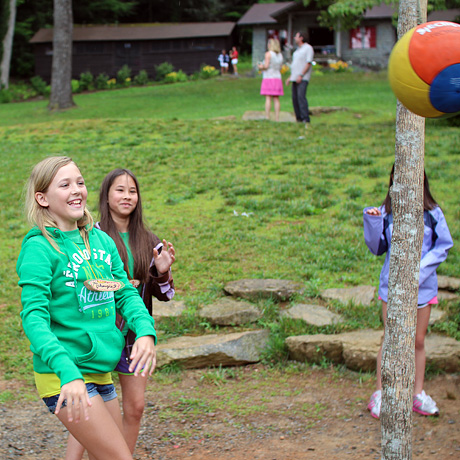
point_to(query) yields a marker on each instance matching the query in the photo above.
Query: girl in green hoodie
(73, 284)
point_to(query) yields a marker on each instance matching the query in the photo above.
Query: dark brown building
(107, 48)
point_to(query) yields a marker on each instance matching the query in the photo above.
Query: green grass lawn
(303, 191)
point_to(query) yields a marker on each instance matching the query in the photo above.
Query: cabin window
(363, 37)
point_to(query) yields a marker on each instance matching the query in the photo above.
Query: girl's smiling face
(65, 197)
(122, 197)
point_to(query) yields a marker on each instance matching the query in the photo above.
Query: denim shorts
(106, 392)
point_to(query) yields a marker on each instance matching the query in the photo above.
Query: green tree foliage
(347, 13)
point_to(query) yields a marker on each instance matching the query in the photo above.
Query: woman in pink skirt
(272, 85)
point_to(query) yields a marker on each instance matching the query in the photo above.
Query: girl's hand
(77, 398)
(165, 259)
(143, 356)
(374, 212)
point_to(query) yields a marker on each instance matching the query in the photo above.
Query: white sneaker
(375, 404)
(423, 404)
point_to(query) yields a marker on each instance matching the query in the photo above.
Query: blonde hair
(274, 45)
(39, 181)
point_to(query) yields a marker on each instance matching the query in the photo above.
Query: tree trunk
(8, 45)
(398, 357)
(61, 72)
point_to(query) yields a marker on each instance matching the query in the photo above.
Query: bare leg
(268, 106)
(101, 435)
(423, 316)
(74, 450)
(133, 390)
(379, 354)
(276, 103)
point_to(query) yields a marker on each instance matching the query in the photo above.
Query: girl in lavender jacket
(378, 227)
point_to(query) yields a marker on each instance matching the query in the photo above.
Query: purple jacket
(436, 243)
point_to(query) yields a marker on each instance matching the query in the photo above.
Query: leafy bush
(175, 77)
(124, 76)
(75, 86)
(5, 96)
(208, 71)
(162, 70)
(86, 81)
(39, 85)
(453, 121)
(142, 78)
(102, 81)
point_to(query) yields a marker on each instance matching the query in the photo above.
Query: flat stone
(436, 315)
(442, 353)
(316, 315)
(363, 295)
(446, 295)
(230, 312)
(253, 289)
(234, 349)
(358, 350)
(170, 309)
(258, 115)
(320, 110)
(449, 283)
(289, 116)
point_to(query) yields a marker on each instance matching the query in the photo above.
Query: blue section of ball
(445, 90)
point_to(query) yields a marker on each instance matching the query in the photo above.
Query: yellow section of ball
(408, 87)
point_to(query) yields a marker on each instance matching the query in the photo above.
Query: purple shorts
(123, 364)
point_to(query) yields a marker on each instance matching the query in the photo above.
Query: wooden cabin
(106, 48)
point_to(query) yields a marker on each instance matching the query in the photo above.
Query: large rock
(230, 312)
(446, 295)
(358, 350)
(316, 315)
(363, 295)
(213, 350)
(436, 315)
(449, 283)
(170, 309)
(442, 353)
(253, 289)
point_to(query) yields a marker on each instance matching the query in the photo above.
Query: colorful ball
(424, 69)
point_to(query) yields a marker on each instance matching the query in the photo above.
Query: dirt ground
(254, 414)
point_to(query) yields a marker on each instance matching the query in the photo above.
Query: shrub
(453, 121)
(174, 77)
(75, 86)
(5, 96)
(162, 70)
(86, 81)
(142, 78)
(102, 81)
(208, 71)
(124, 76)
(39, 85)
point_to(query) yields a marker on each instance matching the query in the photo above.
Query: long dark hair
(429, 202)
(140, 238)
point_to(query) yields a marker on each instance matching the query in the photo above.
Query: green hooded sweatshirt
(71, 329)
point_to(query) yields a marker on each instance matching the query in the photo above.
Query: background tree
(7, 21)
(398, 355)
(61, 71)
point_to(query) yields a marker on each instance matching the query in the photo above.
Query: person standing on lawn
(301, 66)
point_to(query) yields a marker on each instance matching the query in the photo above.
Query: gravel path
(319, 415)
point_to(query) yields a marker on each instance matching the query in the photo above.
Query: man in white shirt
(300, 76)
